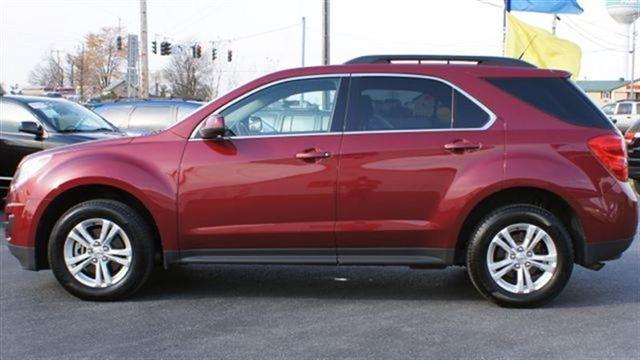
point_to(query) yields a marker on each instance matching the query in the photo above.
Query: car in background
(144, 116)
(33, 123)
(623, 113)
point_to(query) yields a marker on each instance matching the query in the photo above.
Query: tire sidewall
(510, 216)
(139, 257)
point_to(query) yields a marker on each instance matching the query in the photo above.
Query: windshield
(66, 116)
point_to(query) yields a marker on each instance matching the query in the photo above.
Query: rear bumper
(25, 255)
(595, 253)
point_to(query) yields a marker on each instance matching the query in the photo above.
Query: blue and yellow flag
(545, 6)
(540, 47)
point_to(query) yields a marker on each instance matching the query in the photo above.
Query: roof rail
(479, 60)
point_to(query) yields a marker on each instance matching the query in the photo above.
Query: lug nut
(96, 243)
(94, 260)
(517, 266)
(529, 254)
(105, 248)
(527, 264)
(104, 258)
(90, 251)
(520, 249)
(512, 256)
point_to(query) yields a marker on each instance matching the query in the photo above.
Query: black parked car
(143, 116)
(30, 123)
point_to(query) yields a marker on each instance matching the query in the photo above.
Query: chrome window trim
(260, 88)
(492, 115)
(5, 178)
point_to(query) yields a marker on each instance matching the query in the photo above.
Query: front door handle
(313, 155)
(461, 146)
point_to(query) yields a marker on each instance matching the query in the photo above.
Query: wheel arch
(78, 194)
(543, 198)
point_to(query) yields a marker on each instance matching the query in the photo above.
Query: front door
(14, 145)
(266, 193)
(407, 155)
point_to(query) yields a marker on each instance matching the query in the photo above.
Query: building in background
(603, 92)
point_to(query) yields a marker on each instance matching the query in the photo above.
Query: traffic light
(165, 48)
(229, 55)
(154, 47)
(214, 54)
(196, 51)
(119, 42)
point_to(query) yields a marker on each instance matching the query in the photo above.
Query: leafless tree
(189, 77)
(50, 72)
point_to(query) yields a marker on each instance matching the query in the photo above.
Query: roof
(27, 99)
(152, 102)
(601, 85)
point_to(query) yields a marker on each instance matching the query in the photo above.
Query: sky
(267, 35)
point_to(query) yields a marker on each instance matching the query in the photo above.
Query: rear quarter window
(557, 97)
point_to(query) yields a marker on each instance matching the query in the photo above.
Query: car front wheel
(520, 256)
(101, 250)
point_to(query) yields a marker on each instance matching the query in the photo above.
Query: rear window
(557, 97)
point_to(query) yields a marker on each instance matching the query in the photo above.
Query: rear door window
(557, 97)
(386, 103)
(117, 115)
(150, 118)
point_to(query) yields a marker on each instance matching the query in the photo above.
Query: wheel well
(74, 196)
(523, 195)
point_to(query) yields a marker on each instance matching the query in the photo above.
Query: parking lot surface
(318, 312)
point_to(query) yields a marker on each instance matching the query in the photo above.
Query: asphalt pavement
(312, 312)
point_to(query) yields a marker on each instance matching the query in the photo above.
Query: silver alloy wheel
(522, 258)
(97, 253)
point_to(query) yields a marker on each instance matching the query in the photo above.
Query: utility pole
(304, 37)
(325, 33)
(144, 58)
(554, 24)
(632, 94)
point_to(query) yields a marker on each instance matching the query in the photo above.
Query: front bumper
(611, 250)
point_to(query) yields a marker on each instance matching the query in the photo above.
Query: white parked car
(624, 113)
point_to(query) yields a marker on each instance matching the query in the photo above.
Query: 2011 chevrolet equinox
(483, 162)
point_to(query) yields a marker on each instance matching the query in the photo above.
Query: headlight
(29, 168)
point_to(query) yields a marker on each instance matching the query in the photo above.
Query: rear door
(411, 155)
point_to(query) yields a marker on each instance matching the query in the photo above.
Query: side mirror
(31, 127)
(213, 127)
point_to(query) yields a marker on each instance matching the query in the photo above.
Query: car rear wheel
(101, 250)
(520, 256)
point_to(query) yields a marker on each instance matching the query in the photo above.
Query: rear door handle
(313, 155)
(461, 146)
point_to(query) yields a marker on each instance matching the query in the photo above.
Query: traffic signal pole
(144, 56)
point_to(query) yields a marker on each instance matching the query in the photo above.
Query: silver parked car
(623, 113)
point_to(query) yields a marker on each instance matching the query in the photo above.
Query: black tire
(138, 232)
(490, 226)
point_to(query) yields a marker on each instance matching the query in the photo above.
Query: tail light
(630, 136)
(611, 150)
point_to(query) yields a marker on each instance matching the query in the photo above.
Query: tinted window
(557, 97)
(150, 118)
(398, 103)
(11, 115)
(117, 115)
(299, 106)
(624, 109)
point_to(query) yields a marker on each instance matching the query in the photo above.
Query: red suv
(421, 161)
